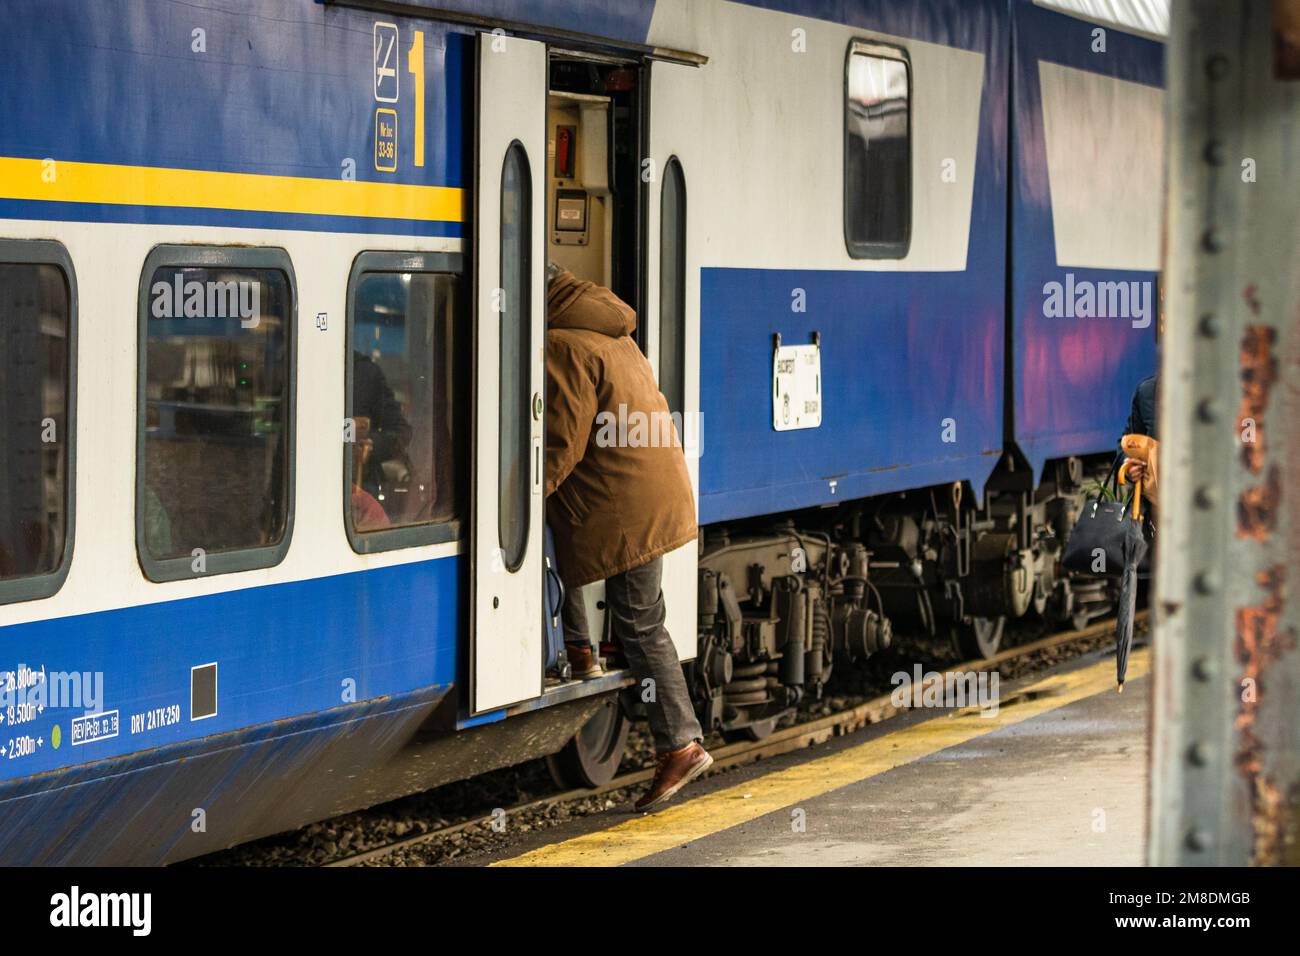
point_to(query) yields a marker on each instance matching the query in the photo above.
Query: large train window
(515, 308)
(214, 443)
(38, 307)
(672, 287)
(877, 152)
(405, 414)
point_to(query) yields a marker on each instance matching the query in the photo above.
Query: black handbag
(1095, 545)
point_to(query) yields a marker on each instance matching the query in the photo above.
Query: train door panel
(673, 301)
(509, 258)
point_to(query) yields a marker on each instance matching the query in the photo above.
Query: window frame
(876, 250)
(386, 261)
(514, 562)
(51, 252)
(208, 257)
(674, 245)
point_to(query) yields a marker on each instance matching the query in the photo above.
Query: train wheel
(592, 755)
(979, 637)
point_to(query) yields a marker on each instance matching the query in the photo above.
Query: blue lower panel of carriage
(1073, 377)
(912, 386)
(193, 797)
(282, 651)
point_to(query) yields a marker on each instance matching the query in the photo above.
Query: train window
(405, 414)
(672, 287)
(38, 307)
(515, 311)
(214, 445)
(877, 153)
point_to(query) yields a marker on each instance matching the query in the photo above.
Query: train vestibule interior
(592, 194)
(592, 172)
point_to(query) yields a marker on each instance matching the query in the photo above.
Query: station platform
(1057, 776)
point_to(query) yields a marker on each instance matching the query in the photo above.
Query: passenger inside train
(404, 389)
(387, 435)
(367, 513)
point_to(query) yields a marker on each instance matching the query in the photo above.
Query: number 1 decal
(415, 66)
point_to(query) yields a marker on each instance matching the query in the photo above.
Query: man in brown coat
(618, 498)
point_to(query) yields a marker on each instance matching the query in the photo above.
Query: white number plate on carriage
(796, 387)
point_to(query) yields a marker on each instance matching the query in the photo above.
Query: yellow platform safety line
(645, 835)
(64, 181)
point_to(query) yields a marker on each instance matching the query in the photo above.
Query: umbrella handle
(1137, 491)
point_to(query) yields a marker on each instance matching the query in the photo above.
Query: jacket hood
(573, 303)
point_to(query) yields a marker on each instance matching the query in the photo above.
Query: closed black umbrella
(1133, 547)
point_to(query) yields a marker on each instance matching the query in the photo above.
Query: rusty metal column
(1225, 785)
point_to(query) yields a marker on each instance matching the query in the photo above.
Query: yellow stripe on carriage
(63, 181)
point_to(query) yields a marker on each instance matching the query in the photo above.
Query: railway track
(787, 740)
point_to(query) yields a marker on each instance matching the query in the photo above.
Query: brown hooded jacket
(618, 492)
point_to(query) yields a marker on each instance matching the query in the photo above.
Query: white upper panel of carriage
(104, 572)
(1144, 17)
(1105, 149)
(767, 135)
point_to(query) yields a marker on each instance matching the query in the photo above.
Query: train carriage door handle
(537, 464)
(537, 445)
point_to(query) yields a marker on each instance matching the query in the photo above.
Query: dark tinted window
(672, 287)
(877, 156)
(35, 336)
(515, 309)
(403, 402)
(215, 439)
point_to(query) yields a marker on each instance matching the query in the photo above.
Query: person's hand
(1135, 470)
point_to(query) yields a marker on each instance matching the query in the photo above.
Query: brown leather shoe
(583, 662)
(674, 769)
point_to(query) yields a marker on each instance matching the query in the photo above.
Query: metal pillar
(1226, 747)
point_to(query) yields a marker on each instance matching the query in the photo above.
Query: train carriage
(272, 294)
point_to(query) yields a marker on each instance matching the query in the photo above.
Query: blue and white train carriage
(271, 401)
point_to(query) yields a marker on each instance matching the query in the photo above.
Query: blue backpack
(552, 625)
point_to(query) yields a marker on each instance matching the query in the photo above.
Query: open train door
(509, 329)
(673, 301)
